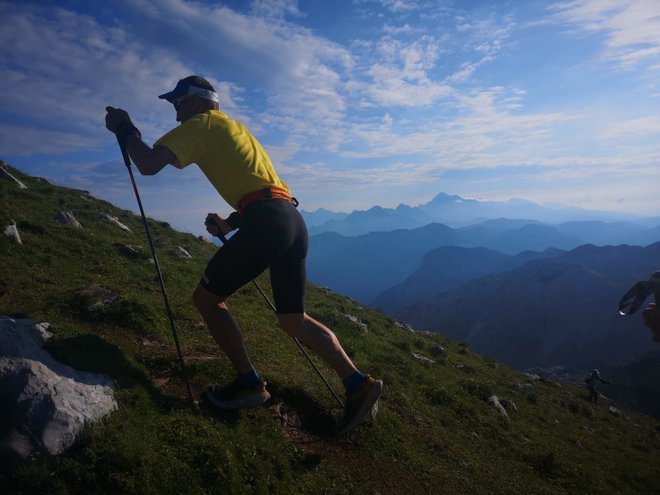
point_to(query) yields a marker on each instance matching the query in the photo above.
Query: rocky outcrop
(4, 174)
(67, 218)
(494, 401)
(11, 233)
(113, 220)
(182, 253)
(356, 321)
(422, 358)
(131, 251)
(45, 404)
(94, 298)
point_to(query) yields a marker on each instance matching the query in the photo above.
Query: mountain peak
(446, 198)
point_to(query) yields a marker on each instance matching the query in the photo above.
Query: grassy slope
(435, 432)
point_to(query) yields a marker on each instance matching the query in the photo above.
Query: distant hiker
(593, 380)
(272, 234)
(651, 317)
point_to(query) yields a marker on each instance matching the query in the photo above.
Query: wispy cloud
(62, 66)
(639, 128)
(418, 92)
(276, 8)
(631, 27)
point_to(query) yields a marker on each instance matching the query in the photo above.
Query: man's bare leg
(319, 339)
(223, 328)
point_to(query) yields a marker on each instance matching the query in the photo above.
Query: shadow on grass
(93, 354)
(315, 419)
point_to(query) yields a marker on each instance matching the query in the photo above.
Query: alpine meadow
(438, 430)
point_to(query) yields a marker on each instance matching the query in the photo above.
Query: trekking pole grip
(124, 153)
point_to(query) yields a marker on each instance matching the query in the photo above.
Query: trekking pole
(127, 162)
(223, 239)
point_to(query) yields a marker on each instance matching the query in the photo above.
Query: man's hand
(215, 225)
(115, 117)
(652, 320)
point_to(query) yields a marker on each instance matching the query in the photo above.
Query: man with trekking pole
(271, 234)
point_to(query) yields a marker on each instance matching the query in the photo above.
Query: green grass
(434, 433)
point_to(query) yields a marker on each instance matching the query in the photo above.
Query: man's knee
(291, 323)
(204, 300)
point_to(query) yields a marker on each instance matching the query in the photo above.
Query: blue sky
(358, 102)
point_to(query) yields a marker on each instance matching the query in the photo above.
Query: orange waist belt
(267, 193)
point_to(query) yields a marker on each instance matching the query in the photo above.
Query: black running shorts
(272, 234)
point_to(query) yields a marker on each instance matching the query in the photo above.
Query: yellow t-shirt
(230, 157)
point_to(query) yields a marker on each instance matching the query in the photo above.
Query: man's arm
(149, 161)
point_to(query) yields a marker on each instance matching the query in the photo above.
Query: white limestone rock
(67, 218)
(11, 233)
(494, 401)
(4, 174)
(355, 321)
(45, 404)
(182, 253)
(114, 220)
(422, 358)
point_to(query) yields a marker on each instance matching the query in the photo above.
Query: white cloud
(60, 69)
(396, 6)
(631, 27)
(275, 8)
(25, 140)
(642, 127)
(422, 97)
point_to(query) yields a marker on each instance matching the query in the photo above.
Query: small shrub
(26, 226)
(404, 345)
(101, 305)
(479, 390)
(544, 462)
(438, 396)
(437, 350)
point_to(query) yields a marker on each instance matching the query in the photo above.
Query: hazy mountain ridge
(365, 265)
(359, 266)
(448, 267)
(456, 212)
(321, 216)
(555, 311)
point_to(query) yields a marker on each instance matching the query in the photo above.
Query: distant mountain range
(559, 310)
(448, 267)
(456, 211)
(365, 265)
(534, 286)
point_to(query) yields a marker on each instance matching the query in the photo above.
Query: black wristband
(234, 220)
(125, 129)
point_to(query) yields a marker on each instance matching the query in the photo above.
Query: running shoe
(236, 396)
(360, 403)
